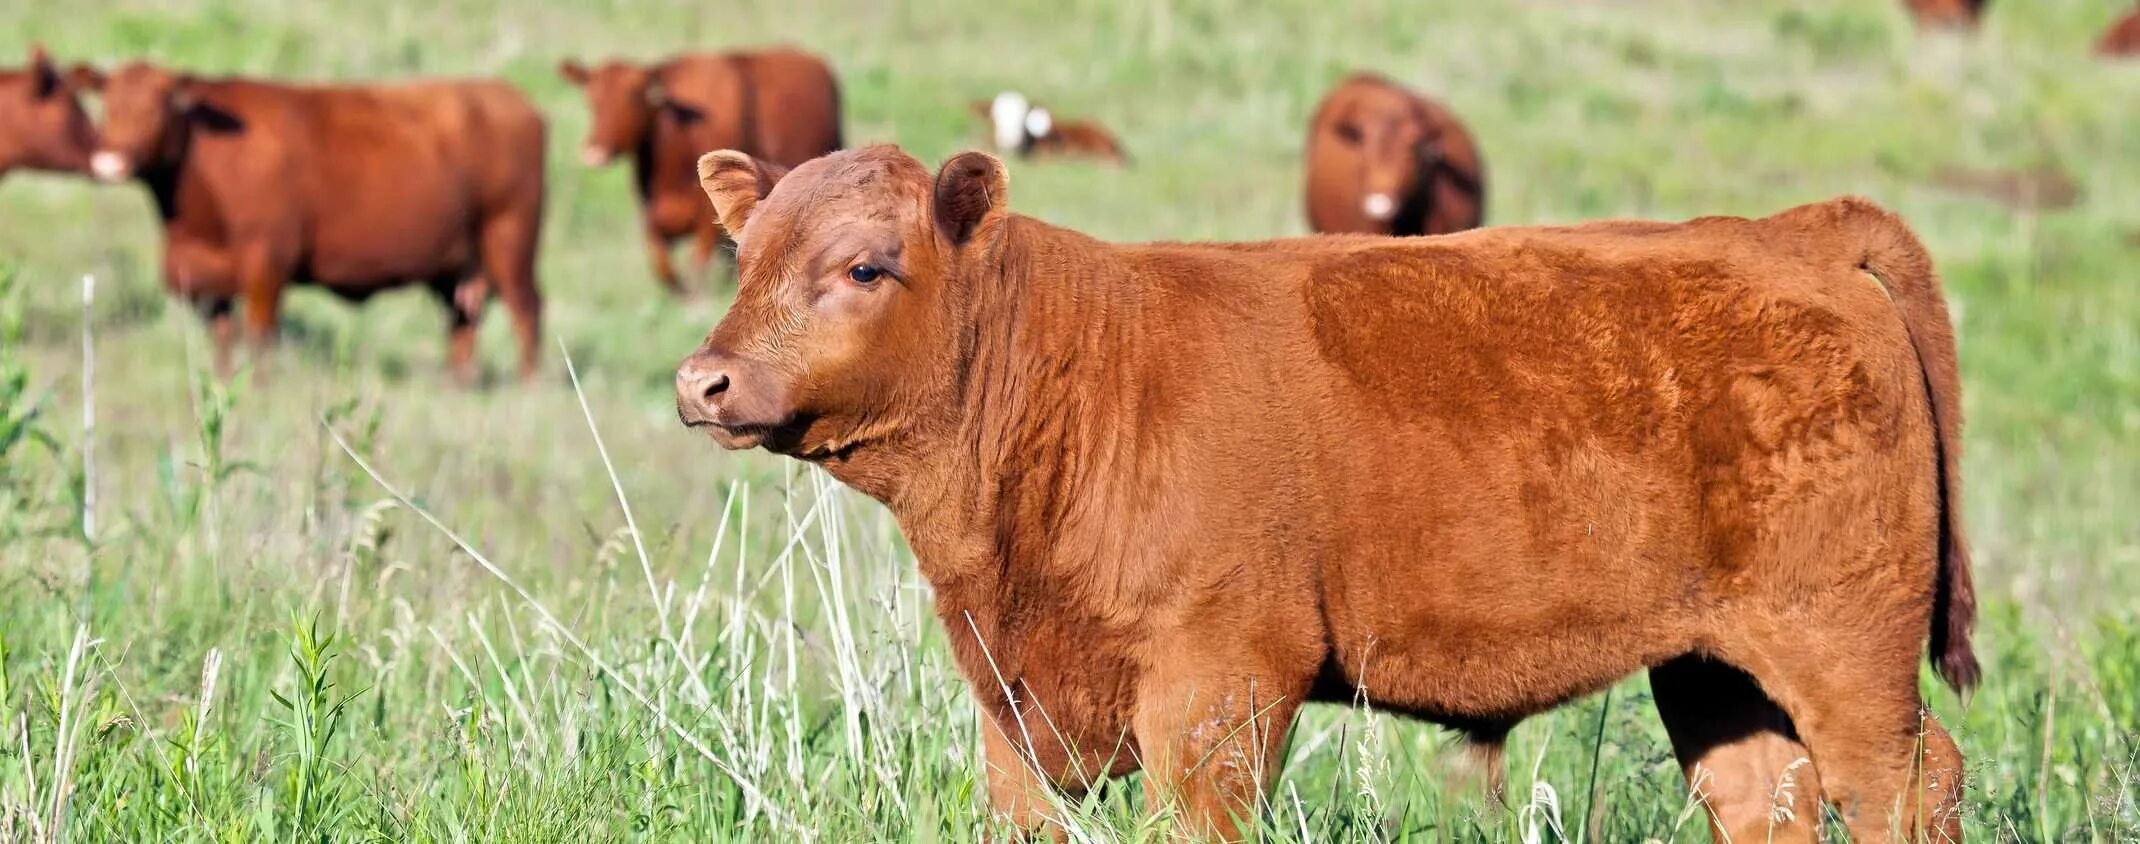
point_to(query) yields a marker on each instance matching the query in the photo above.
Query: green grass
(260, 642)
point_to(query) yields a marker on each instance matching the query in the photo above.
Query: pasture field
(261, 642)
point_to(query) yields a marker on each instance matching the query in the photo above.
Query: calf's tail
(1895, 259)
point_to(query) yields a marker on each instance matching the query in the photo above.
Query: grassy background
(766, 668)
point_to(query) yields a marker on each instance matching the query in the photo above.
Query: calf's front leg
(1017, 796)
(1213, 744)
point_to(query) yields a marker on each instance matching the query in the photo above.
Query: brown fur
(1951, 14)
(2123, 37)
(355, 188)
(779, 105)
(1067, 138)
(1371, 136)
(42, 125)
(1165, 493)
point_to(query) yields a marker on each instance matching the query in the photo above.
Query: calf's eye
(864, 274)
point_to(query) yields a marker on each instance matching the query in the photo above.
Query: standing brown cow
(1384, 160)
(353, 188)
(42, 125)
(2123, 37)
(1165, 493)
(1947, 14)
(779, 105)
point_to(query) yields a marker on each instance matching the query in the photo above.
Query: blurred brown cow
(2123, 37)
(1384, 160)
(1947, 14)
(1165, 493)
(779, 105)
(353, 188)
(1019, 127)
(42, 125)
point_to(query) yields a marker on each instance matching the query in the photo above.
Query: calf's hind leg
(508, 256)
(1885, 763)
(1741, 755)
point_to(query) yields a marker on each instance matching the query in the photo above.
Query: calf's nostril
(715, 386)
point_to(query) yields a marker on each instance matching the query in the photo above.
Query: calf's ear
(971, 190)
(573, 71)
(735, 182)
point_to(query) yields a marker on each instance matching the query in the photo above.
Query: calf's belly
(1461, 673)
(1501, 595)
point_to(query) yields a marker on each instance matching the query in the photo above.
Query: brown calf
(1947, 14)
(353, 188)
(1018, 127)
(42, 125)
(779, 105)
(1169, 492)
(2123, 37)
(1383, 160)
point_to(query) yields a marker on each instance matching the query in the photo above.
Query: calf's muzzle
(738, 401)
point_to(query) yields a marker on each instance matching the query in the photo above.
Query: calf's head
(148, 113)
(1395, 141)
(42, 125)
(624, 99)
(848, 323)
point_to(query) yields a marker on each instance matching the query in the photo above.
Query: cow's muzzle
(109, 166)
(1379, 207)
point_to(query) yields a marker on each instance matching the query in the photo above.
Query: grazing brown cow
(779, 105)
(1947, 14)
(1165, 493)
(353, 188)
(2123, 37)
(42, 125)
(1018, 127)
(1383, 160)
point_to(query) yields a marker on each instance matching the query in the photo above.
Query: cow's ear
(45, 77)
(685, 114)
(573, 71)
(82, 77)
(735, 182)
(971, 190)
(186, 100)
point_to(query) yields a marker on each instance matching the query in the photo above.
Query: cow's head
(148, 113)
(624, 99)
(1396, 142)
(847, 323)
(42, 125)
